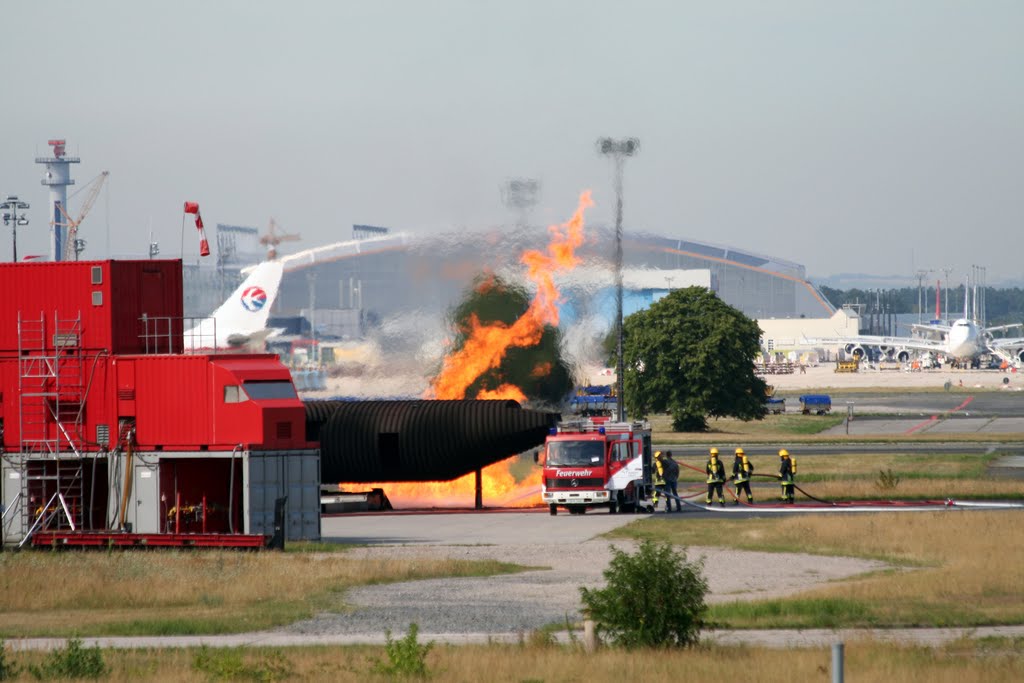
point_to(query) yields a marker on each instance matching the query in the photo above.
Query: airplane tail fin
(244, 314)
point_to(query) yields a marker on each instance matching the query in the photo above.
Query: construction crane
(92, 191)
(271, 238)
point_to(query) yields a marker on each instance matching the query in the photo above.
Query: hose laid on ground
(831, 503)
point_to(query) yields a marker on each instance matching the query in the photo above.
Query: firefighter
(671, 472)
(716, 477)
(659, 480)
(742, 468)
(787, 476)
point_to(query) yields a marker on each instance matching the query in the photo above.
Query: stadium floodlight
(618, 150)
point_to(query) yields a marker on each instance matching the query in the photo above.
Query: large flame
(499, 488)
(484, 349)
(486, 345)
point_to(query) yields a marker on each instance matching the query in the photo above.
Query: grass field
(796, 428)
(967, 661)
(185, 592)
(950, 567)
(861, 477)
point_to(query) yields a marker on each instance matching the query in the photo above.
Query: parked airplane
(241, 321)
(964, 340)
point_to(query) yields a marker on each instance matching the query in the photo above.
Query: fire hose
(830, 503)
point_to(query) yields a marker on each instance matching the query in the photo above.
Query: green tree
(691, 355)
(539, 371)
(654, 598)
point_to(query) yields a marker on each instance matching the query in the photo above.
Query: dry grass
(62, 593)
(923, 465)
(934, 489)
(962, 662)
(970, 565)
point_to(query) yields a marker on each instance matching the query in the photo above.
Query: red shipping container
(108, 299)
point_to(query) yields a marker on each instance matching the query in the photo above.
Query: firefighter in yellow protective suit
(787, 476)
(658, 475)
(716, 477)
(742, 468)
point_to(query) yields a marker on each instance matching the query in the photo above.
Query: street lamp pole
(945, 284)
(11, 217)
(618, 150)
(921, 275)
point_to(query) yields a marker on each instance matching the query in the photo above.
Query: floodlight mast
(11, 206)
(618, 150)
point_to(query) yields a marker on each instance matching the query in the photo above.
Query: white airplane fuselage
(964, 340)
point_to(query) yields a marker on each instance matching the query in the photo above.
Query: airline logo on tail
(254, 298)
(241, 320)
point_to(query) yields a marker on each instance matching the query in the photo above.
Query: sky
(870, 137)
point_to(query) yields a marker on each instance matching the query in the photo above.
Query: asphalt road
(895, 403)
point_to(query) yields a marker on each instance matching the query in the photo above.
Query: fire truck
(593, 462)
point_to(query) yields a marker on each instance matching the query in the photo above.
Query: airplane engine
(856, 351)
(902, 355)
(1020, 356)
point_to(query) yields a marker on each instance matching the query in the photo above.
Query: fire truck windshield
(269, 389)
(575, 453)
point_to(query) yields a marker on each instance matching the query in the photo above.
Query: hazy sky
(862, 136)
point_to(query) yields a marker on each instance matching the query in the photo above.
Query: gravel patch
(530, 600)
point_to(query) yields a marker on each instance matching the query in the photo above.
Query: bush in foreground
(8, 669)
(406, 657)
(72, 661)
(654, 598)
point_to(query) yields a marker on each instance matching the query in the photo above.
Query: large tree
(691, 355)
(539, 371)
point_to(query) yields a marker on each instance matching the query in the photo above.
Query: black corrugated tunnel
(370, 441)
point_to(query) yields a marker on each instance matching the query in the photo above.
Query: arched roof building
(403, 272)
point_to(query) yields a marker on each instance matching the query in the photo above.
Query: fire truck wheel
(553, 509)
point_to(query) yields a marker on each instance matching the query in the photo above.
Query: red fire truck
(597, 463)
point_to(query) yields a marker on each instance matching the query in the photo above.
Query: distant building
(387, 275)
(784, 335)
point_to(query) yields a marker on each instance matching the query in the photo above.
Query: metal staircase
(52, 384)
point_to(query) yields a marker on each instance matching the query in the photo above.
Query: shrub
(887, 480)
(8, 670)
(654, 598)
(72, 661)
(406, 657)
(229, 663)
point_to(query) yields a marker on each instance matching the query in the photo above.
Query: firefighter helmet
(714, 451)
(783, 453)
(739, 451)
(657, 454)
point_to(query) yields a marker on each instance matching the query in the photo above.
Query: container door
(146, 497)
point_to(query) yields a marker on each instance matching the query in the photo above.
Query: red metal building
(108, 427)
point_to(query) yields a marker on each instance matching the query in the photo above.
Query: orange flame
(484, 349)
(541, 370)
(486, 345)
(505, 391)
(498, 486)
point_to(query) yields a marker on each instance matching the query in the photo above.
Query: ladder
(52, 393)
